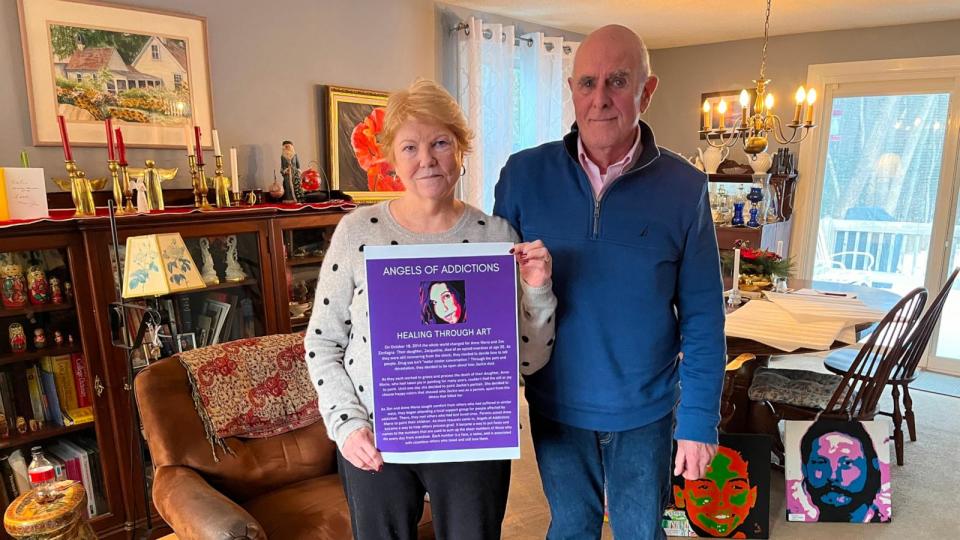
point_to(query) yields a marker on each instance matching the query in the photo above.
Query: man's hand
(693, 458)
(534, 260)
(359, 450)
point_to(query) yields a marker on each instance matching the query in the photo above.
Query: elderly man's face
(837, 471)
(609, 93)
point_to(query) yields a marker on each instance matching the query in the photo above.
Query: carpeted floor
(924, 489)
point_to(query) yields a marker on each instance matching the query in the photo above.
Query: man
(719, 504)
(841, 474)
(637, 273)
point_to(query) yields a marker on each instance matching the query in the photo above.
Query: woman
(442, 302)
(425, 137)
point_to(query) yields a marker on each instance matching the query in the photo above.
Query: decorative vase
(755, 196)
(39, 288)
(13, 287)
(760, 163)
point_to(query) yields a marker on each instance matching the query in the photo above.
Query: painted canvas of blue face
(838, 471)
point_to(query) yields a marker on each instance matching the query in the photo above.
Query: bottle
(42, 475)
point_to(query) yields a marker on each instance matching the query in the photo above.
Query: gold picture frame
(346, 115)
(147, 69)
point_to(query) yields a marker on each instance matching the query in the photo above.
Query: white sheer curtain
(515, 96)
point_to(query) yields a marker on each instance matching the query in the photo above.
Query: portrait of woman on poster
(443, 302)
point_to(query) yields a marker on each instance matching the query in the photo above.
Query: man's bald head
(624, 39)
(611, 85)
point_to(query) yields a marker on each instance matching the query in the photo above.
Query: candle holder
(221, 184)
(80, 190)
(237, 198)
(199, 182)
(127, 188)
(114, 167)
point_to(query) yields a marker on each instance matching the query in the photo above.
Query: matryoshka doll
(18, 340)
(13, 287)
(56, 293)
(39, 289)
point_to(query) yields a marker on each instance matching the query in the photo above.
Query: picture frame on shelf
(186, 342)
(349, 122)
(217, 312)
(734, 110)
(88, 60)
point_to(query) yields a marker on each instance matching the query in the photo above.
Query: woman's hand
(359, 450)
(535, 262)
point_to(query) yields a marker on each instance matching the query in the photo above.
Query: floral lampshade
(158, 264)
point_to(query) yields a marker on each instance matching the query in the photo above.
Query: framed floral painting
(88, 60)
(351, 120)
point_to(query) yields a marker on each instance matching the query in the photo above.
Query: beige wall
(686, 72)
(265, 58)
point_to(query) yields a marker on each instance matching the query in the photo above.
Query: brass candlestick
(114, 167)
(221, 184)
(201, 189)
(80, 190)
(127, 190)
(237, 198)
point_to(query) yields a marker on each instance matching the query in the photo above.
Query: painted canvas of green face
(732, 498)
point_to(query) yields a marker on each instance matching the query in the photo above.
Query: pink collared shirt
(598, 179)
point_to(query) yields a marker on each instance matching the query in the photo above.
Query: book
(36, 398)
(8, 479)
(19, 466)
(66, 387)
(89, 445)
(4, 410)
(6, 396)
(49, 383)
(185, 318)
(80, 380)
(21, 396)
(86, 473)
(59, 467)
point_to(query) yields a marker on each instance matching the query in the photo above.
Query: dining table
(735, 400)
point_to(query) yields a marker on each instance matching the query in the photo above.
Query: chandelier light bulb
(768, 102)
(811, 96)
(801, 95)
(744, 98)
(722, 107)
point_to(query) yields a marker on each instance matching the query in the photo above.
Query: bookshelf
(85, 245)
(766, 236)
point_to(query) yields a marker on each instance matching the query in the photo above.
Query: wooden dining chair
(905, 371)
(795, 394)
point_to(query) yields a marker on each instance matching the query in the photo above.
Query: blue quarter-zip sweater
(637, 275)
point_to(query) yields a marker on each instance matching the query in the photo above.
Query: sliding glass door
(887, 214)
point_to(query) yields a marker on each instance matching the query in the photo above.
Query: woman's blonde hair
(426, 101)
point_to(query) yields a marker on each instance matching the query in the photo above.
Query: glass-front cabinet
(52, 377)
(302, 243)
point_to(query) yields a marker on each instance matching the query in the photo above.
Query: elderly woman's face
(427, 159)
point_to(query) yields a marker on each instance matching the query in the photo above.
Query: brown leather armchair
(282, 487)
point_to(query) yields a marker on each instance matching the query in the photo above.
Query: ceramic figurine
(18, 340)
(70, 339)
(290, 170)
(68, 291)
(58, 338)
(56, 294)
(234, 270)
(39, 339)
(37, 283)
(207, 271)
(14, 286)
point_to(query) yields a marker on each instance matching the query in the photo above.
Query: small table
(60, 519)
(736, 384)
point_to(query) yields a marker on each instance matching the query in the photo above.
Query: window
(79, 77)
(155, 52)
(121, 85)
(177, 81)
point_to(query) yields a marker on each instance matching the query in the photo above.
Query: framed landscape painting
(350, 123)
(87, 61)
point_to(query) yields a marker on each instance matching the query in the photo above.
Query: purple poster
(443, 337)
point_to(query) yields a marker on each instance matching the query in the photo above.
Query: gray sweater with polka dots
(337, 339)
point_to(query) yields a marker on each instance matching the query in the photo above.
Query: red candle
(67, 154)
(121, 148)
(196, 135)
(111, 153)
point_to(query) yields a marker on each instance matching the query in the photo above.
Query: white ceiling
(675, 23)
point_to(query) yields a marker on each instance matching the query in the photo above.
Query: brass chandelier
(754, 130)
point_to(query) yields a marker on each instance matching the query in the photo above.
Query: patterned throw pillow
(796, 387)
